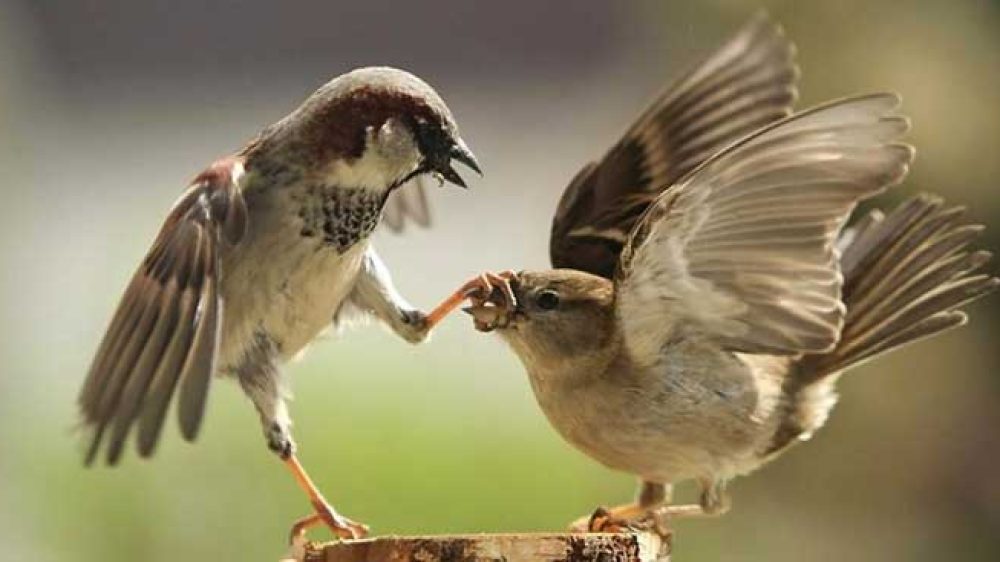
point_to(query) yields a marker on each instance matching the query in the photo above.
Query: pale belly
(668, 428)
(284, 287)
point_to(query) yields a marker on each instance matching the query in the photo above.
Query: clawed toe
(493, 287)
(342, 527)
(604, 520)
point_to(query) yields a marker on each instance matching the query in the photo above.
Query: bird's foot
(494, 303)
(603, 521)
(339, 525)
(494, 288)
(625, 519)
(484, 288)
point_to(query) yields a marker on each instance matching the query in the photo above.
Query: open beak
(459, 151)
(498, 310)
(486, 318)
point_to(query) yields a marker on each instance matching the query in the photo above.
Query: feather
(167, 326)
(906, 274)
(746, 84)
(710, 255)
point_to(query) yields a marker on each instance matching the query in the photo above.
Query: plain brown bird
(264, 251)
(707, 296)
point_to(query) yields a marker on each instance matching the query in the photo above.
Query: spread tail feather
(905, 276)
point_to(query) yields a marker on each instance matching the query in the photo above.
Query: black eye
(547, 300)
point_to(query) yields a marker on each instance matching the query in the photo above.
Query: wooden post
(531, 547)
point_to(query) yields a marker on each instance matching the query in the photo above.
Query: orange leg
(338, 524)
(480, 288)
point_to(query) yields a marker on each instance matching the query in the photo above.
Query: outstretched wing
(742, 250)
(407, 203)
(745, 85)
(165, 333)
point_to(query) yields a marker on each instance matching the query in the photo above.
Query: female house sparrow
(261, 254)
(704, 306)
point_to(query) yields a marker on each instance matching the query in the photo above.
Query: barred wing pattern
(163, 339)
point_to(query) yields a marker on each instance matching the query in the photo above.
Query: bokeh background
(107, 109)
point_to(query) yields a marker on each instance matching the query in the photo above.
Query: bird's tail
(905, 276)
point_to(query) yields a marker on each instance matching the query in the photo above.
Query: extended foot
(480, 289)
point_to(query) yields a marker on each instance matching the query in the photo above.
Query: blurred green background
(109, 107)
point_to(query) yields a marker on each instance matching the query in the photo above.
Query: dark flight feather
(745, 85)
(166, 329)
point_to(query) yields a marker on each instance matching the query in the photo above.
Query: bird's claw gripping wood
(480, 289)
(338, 524)
(602, 521)
(624, 519)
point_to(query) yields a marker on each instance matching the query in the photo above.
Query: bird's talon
(597, 520)
(340, 526)
(499, 290)
(602, 521)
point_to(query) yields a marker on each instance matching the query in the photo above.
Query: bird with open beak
(707, 296)
(264, 251)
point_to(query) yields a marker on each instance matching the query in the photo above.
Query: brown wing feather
(906, 273)
(742, 250)
(166, 328)
(905, 276)
(748, 83)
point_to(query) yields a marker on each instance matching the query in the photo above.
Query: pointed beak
(459, 151)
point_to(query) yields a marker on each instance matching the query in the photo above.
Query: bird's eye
(547, 300)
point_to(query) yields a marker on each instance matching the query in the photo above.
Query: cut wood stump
(531, 547)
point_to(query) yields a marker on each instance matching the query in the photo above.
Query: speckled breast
(339, 216)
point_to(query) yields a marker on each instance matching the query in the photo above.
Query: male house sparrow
(705, 304)
(262, 253)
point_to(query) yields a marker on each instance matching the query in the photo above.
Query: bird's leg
(480, 289)
(650, 510)
(261, 381)
(713, 501)
(642, 513)
(374, 291)
(280, 441)
(325, 513)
